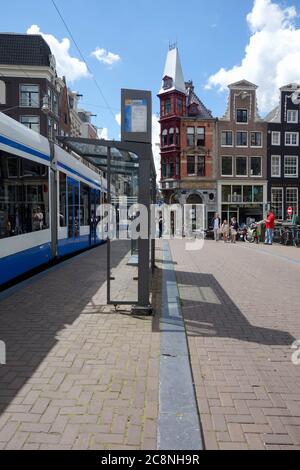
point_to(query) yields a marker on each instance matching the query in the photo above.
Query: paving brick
(72, 358)
(240, 353)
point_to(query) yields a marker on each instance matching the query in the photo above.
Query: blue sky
(210, 34)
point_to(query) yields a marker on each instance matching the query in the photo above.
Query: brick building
(284, 152)
(188, 157)
(29, 85)
(242, 150)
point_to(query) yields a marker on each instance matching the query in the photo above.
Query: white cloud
(103, 133)
(106, 57)
(272, 56)
(70, 67)
(118, 118)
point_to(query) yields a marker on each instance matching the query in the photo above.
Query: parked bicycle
(287, 236)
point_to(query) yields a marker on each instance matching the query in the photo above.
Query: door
(73, 208)
(94, 196)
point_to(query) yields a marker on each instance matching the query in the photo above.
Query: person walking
(270, 226)
(234, 229)
(217, 226)
(225, 231)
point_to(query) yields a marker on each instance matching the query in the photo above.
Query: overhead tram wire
(82, 57)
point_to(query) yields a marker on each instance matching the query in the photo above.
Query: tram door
(94, 203)
(73, 208)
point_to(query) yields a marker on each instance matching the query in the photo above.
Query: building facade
(30, 90)
(188, 148)
(242, 150)
(284, 152)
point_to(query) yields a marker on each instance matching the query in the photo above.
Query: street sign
(136, 116)
(290, 211)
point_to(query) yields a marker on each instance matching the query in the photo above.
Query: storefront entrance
(243, 214)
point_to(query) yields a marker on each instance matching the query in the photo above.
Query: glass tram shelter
(128, 167)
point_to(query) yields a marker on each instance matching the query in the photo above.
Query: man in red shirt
(270, 226)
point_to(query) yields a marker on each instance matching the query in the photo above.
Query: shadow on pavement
(209, 312)
(32, 318)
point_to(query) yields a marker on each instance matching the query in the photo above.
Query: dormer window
(167, 83)
(193, 111)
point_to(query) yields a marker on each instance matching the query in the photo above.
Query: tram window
(84, 205)
(24, 201)
(62, 200)
(30, 168)
(12, 167)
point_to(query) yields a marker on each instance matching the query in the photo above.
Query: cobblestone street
(78, 374)
(241, 309)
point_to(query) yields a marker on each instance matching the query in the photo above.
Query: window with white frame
(276, 166)
(171, 136)
(292, 139)
(190, 136)
(242, 116)
(256, 139)
(30, 96)
(227, 166)
(165, 137)
(241, 166)
(291, 166)
(227, 139)
(292, 116)
(256, 166)
(277, 202)
(276, 138)
(291, 199)
(242, 139)
(32, 122)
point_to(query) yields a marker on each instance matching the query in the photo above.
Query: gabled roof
(204, 113)
(243, 84)
(24, 49)
(173, 70)
(273, 116)
(291, 87)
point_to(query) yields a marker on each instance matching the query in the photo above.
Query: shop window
(258, 194)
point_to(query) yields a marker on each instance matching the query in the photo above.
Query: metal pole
(108, 251)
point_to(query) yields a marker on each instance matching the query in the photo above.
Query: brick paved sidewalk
(241, 309)
(78, 375)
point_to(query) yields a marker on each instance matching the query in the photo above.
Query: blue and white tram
(48, 201)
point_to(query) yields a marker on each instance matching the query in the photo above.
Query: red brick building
(188, 132)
